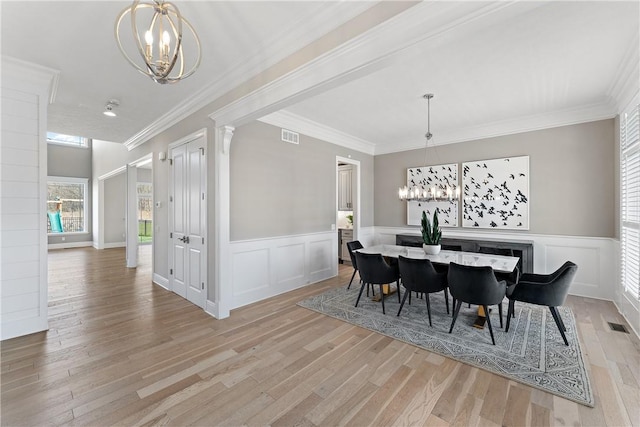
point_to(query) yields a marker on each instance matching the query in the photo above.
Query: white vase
(431, 249)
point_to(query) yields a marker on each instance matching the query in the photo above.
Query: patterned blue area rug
(532, 352)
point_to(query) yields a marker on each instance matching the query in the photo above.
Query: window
(145, 212)
(66, 202)
(58, 138)
(630, 201)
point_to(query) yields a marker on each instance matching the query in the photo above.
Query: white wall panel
(23, 275)
(595, 256)
(250, 271)
(290, 265)
(263, 268)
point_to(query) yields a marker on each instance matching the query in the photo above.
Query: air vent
(289, 136)
(618, 327)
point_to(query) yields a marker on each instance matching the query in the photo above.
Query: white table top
(504, 264)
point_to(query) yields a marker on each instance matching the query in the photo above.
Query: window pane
(66, 139)
(65, 207)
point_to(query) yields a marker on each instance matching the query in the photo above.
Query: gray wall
(72, 162)
(115, 205)
(572, 169)
(280, 189)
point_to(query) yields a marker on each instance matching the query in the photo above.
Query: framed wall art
(496, 193)
(427, 178)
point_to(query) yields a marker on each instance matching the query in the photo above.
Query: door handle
(184, 239)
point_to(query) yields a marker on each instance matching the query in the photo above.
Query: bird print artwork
(438, 177)
(496, 193)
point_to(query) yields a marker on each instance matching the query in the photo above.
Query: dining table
(499, 263)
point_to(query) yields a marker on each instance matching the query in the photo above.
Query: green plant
(431, 235)
(350, 219)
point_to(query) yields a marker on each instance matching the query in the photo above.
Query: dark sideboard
(522, 249)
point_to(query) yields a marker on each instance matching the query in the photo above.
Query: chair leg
(510, 313)
(360, 293)
(446, 299)
(500, 312)
(382, 299)
(352, 276)
(428, 308)
(486, 310)
(455, 315)
(406, 292)
(398, 289)
(559, 323)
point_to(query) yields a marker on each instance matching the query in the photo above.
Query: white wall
(23, 235)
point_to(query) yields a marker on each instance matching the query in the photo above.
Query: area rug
(532, 352)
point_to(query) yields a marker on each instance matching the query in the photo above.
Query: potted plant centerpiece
(431, 236)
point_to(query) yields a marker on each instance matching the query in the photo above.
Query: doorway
(347, 204)
(187, 218)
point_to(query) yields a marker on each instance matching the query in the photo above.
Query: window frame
(73, 180)
(629, 226)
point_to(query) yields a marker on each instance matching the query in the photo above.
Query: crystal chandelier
(436, 192)
(164, 62)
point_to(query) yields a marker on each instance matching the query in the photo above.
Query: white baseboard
(163, 282)
(69, 245)
(115, 245)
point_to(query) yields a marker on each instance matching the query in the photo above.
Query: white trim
(297, 35)
(220, 305)
(161, 281)
(113, 173)
(625, 84)
(547, 120)
(34, 75)
(286, 119)
(114, 245)
(69, 245)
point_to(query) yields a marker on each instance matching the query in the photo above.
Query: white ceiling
(542, 64)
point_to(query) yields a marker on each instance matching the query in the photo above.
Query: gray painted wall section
(572, 169)
(281, 189)
(72, 162)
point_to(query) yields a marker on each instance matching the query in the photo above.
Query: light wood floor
(122, 351)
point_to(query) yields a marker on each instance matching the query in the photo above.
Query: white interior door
(188, 221)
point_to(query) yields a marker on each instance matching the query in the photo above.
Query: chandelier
(163, 61)
(439, 192)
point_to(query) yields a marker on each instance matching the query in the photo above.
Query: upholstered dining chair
(374, 270)
(477, 286)
(352, 247)
(419, 275)
(543, 289)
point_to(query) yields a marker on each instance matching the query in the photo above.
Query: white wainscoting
(263, 268)
(67, 245)
(595, 256)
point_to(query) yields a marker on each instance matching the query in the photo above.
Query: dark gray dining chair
(374, 270)
(418, 275)
(477, 286)
(543, 289)
(352, 247)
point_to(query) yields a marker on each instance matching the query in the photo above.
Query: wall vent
(290, 136)
(618, 327)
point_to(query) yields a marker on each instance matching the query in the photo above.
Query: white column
(224, 292)
(132, 216)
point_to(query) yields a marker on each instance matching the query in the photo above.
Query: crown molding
(303, 125)
(547, 120)
(300, 33)
(627, 81)
(44, 79)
